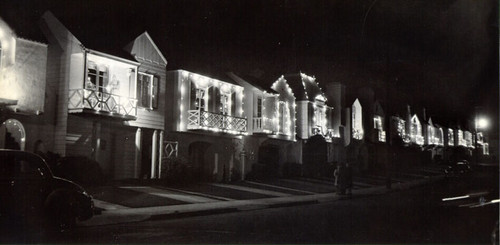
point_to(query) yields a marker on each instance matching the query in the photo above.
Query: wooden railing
(216, 122)
(80, 99)
(263, 125)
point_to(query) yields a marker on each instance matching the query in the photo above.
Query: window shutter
(146, 87)
(212, 100)
(154, 96)
(139, 90)
(217, 103)
(233, 104)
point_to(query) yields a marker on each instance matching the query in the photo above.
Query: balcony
(216, 122)
(263, 125)
(102, 103)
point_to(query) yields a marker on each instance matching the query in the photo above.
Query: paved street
(417, 215)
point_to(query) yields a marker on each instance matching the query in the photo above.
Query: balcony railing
(115, 105)
(263, 125)
(216, 122)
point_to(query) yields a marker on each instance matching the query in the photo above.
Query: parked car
(457, 168)
(29, 193)
(79, 169)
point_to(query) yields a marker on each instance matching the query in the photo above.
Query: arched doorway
(12, 135)
(314, 156)
(199, 160)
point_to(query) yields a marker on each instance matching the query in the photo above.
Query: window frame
(199, 106)
(260, 104)
(101, 77)
(151, 100)
(225, 105)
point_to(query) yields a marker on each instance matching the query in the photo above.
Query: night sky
(441, 55)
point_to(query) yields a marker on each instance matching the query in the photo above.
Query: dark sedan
(30, 193)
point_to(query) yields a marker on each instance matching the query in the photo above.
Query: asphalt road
(414, 216)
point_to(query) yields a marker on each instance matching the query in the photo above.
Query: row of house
(127, 112)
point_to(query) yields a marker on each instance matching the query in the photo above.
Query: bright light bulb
(482, 123)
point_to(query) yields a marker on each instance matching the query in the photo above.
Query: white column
(243, 160)
(231, 165)
(154, 153)
(216, 163)
(138, 150)
(160, 154)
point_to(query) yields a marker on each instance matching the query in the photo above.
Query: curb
(131, 215)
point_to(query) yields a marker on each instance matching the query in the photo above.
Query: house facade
(206, 118)
(318, 142)
(25, 119)
(108, 107)
(270, 146)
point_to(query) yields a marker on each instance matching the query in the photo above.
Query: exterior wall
(336, 95)
(302, 119)
(180, 88)
(221, 157)
(62, 45)
(110, 143)
(22, 80)
(155, 118)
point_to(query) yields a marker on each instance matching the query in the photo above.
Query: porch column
(160, 154)
(96, 140)
(138, 150)
(154, 154)
(231, 166)
(243, 160)
(216, 166)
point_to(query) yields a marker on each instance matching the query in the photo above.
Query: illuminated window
(200, 99)
(451, 137)
(225, 107)
(486, 150)
(320, 117)
(97, 77)
(401, 128)
(377, 123)
(147, 91)
(259, 107)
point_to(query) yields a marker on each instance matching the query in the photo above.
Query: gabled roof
(61, 34)
(250, 80)
(377, 109)
(143, 47)
(304, 87)
(25, 27)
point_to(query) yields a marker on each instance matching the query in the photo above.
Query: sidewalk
(125, 203)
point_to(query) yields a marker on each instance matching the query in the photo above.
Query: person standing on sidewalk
(348, 173)
(336, 175)
(342, 179)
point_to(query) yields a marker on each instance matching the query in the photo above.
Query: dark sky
(442, 55)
